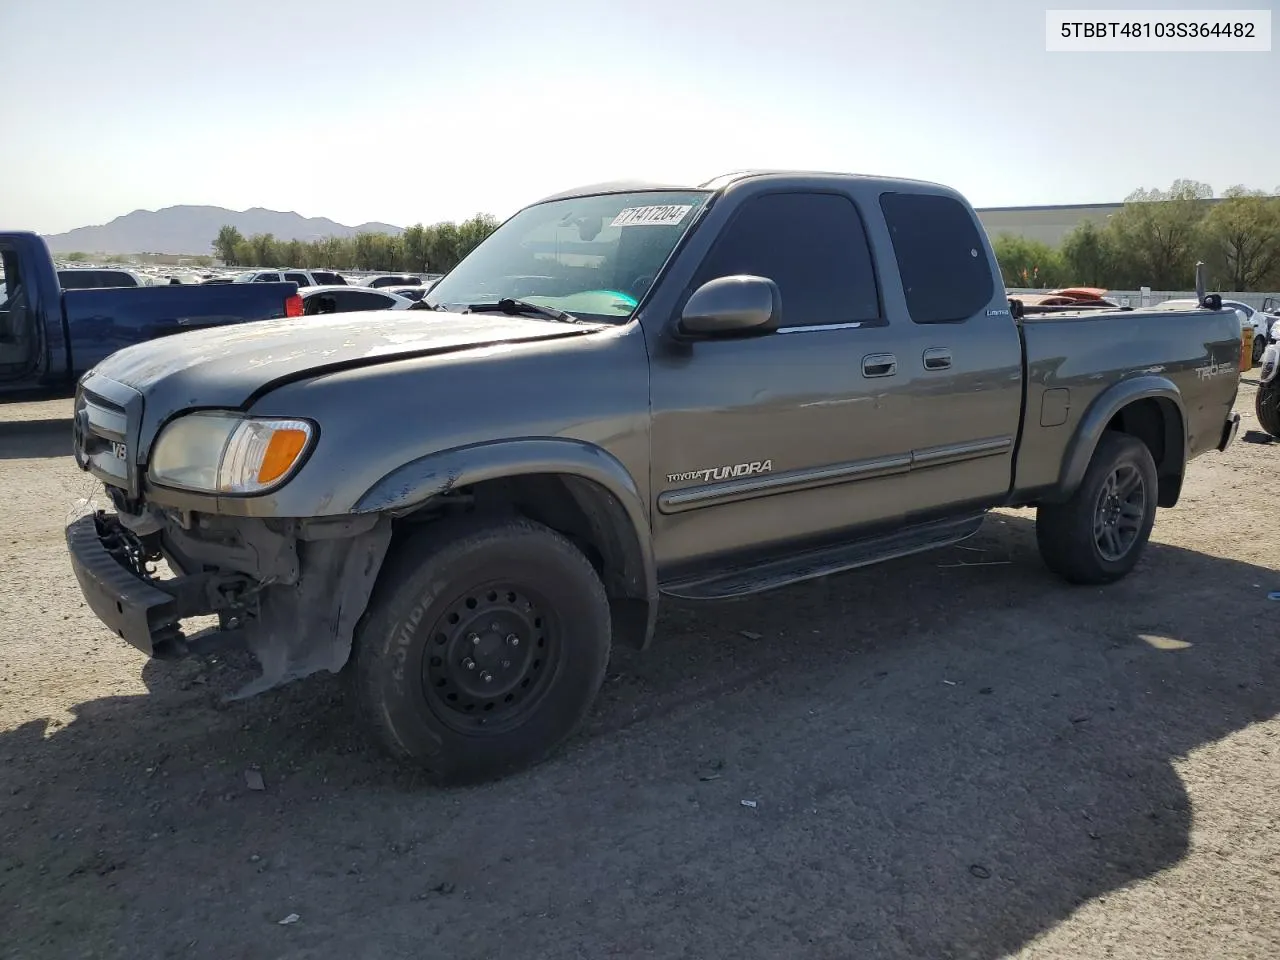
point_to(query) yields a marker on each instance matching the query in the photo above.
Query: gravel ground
(946, 760)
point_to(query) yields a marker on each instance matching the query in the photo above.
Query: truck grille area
(105, 432)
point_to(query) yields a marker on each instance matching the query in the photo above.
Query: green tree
(265, 253)
(227, 245)
(419, 248)
(1157, 230)
(1241, 240)
(414, 248)
(1089, 257)
(1027, 263)
(76, 257)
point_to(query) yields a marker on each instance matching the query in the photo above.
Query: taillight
(293, 306)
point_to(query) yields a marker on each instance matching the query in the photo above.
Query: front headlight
(212, 452)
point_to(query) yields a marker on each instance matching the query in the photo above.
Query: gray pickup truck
(627, 391)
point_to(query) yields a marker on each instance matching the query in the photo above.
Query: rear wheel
(1099, 535)
(1266, 405)
(485, 646)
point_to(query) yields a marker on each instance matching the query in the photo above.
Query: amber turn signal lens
(282, 451)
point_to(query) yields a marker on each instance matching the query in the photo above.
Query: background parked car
(1252, 318)
(339, 298)
(303, 278)
(393, 280)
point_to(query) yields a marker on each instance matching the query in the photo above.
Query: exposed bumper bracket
(1229, 431)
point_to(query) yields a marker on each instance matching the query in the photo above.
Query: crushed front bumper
(295, 613)
(143, 612)
(1229, 431)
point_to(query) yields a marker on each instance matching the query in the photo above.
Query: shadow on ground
(35, 439)
(948, 755)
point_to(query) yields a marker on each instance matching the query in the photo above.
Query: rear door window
(299, 278)
(267, 278)
(941, 256)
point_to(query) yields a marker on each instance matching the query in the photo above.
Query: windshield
(593, 257)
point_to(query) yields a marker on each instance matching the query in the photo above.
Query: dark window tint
(267, 278)
(352, 300)
(94, 279)
(813, 246)
(12, 280)
(299, 278)
(945, 272)
(326, 278)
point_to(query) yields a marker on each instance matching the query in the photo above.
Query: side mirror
(730, 306)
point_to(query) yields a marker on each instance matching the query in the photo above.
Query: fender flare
(406, 488)
(1110, 402)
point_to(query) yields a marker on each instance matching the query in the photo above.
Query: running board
(823, 561)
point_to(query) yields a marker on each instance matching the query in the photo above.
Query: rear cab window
(945, 273)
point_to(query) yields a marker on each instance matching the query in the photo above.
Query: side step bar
(823, 561)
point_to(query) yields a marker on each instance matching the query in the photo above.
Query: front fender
(1110, 402)
(406, 488)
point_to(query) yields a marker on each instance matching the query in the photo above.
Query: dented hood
(227, 366)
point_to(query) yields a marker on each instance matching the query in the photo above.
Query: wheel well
(1157, 422)
(583, 511)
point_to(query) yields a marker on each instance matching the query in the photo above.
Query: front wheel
(1099, 535)
(1266, 406)
(484, 647)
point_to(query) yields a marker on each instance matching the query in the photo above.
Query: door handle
(879, 365)
(937, 358)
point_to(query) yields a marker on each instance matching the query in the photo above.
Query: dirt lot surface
(954, 755)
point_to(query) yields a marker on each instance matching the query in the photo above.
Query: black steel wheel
(1099, 535)
(483, 648)
(491, 657)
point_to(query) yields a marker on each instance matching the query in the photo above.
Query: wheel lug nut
(513, 640)
(469, 663)
(475, 639)
(486, 676)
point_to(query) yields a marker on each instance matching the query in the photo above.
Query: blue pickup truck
(49, 336)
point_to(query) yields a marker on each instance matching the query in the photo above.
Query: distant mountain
(190, 230)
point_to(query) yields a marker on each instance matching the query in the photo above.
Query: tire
(1266, 406)
(512, 599)
(1066, 533)
(1259, 348)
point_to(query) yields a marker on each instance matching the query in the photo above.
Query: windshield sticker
(664, 216)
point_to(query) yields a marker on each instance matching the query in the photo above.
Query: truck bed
(1073, 357)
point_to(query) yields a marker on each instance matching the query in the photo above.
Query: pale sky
(404, 111)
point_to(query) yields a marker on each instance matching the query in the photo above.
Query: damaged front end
(290, 591)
